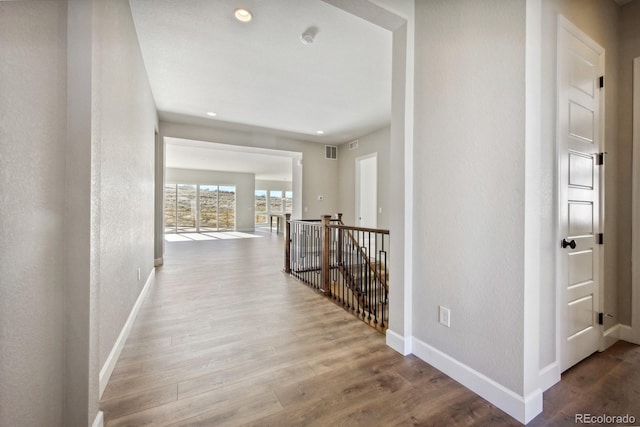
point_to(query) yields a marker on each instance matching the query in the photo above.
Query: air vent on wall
(353, 145)
(330, 152)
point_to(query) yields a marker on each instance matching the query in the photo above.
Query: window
(186, 208)
(261, 207)
(170, 208)
(275, 202)
(288, 201)
(208, 208)
(192, 208)
(227, 208)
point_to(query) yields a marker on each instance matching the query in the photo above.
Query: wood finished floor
(225, 338)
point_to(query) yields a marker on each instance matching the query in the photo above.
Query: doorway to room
(367, 191)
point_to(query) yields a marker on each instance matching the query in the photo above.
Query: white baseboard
(627, 334)
(99, 420)
(610, 337)
(110, 363)
(549, 376)
(522, 408)
(398, 342)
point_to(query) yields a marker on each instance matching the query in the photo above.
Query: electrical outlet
(444, 316)
(139, 276)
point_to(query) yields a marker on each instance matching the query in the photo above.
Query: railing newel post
(326, 247)
(287, 244)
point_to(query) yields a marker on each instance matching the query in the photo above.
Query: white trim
(99, 420)
(610, 337)
(532, 199)
(627, 334)
(522, 408)
(581, 35)
(398, 342)
(110, 363)
(549, 375)
(409, 126)
(633, 334)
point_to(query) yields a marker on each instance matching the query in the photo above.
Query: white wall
(124, 123)
(376, 142)
(32, 170)
(319, 175)
(245, 190)
(263, 184)
(77, 122)
(401, 209)
(469, 184)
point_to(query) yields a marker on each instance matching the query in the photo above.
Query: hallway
(225, 338)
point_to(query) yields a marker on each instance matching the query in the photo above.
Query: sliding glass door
(193, 208)
(262, 213)
(208, 208)
(227, 208)
(186, 215)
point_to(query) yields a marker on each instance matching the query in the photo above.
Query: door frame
(358, 187)
(634, 335)
(565, 25)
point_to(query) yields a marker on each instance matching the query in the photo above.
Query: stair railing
(348, 264)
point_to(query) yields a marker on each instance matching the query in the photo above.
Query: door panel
(581, 73)
(580, 218)
(579, 142)
(581, 170)
(581, 122)
(580, 267)
(580, 316)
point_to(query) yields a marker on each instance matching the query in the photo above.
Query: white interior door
(367, 191)
(579, 143)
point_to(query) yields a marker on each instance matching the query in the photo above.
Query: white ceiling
(272, 165)
(200, 59)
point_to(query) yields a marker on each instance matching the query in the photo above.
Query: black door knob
(571, 244)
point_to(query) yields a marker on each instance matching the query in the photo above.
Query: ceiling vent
(353, 145)
(330, 152)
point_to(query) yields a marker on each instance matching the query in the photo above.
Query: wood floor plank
(149, 398)
(225, 338)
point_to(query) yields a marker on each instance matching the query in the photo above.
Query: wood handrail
(365, 229)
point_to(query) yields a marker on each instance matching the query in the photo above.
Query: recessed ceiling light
(242, 15)
(306, 38)
(211, 114)
(320, 132)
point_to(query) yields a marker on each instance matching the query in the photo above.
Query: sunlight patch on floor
(222, 235)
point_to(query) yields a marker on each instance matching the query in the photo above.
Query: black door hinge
(601, 238)
(599, 159)
(601, 82)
